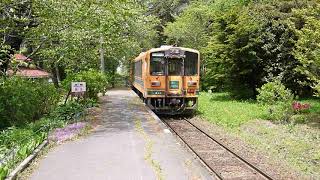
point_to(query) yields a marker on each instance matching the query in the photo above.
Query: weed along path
(128, 143)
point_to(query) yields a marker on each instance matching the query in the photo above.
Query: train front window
(175, 67)
(191, 64)
(157, 66)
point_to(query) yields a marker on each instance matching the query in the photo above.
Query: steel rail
(232, 152)
(203, 161)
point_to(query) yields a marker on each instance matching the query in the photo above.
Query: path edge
(24, 164)
(179, 139)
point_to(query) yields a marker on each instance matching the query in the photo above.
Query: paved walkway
(130, 144)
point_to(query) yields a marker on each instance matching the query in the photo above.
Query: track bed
(221, 160)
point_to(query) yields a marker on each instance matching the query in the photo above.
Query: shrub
(96, 82)
(67, 111)
(23, 100)
(278, 98)
(274, 92)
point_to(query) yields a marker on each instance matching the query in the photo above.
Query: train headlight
(155, 83)
(192, 83)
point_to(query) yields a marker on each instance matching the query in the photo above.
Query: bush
(23, 100)
(274, 92)
(67, 111)
(278, 98)
(96, 82)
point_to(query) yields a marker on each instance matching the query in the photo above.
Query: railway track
(224, 162)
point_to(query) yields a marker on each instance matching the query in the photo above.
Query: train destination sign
(175, 53)
(157, 55)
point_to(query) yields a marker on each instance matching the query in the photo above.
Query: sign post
(78, 88)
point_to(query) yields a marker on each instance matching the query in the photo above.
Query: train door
(174, 83)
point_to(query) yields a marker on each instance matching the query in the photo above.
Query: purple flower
(68, 132)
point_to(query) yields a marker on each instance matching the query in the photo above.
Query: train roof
(164, 48)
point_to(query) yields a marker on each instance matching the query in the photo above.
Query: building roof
(30, 73)
(21, 57)
(26, 71)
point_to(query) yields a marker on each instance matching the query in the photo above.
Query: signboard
(175, 53)
(157, 54)
(174, 84)
(78, 87)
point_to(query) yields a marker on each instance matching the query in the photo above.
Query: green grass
(295, 142)
(221, 109)
(315, 104)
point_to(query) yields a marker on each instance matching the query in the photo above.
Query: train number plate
(174, 84)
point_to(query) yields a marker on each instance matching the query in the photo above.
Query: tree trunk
(102, 62)
(58, 73)
(54, 75)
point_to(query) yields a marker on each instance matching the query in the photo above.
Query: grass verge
(296, 142)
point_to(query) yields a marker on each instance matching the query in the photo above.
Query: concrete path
(130, 145)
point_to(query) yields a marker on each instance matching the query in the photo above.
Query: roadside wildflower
(62, 134)
(299, 107)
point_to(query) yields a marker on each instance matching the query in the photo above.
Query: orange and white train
(167, 79)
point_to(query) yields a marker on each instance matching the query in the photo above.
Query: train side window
(191, 64)
(157, 66)
(138, 69)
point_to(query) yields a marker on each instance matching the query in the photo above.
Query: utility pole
(102, 63)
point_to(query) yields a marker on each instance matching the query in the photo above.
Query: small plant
(67, 111)
(278, 98)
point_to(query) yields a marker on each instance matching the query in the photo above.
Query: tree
(307, 49)
(244, 44)
(72, 38)
(190, 29)
(16, 18)
(166, 12)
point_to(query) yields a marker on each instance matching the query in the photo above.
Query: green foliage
(71, 34)
(282, 111)
(3, 172)
(26, 138)
(244, 44)
(251, 47)
(96, 82)
(274, 92)
(68, 111)
(307, 47)
(23, 140)
(23, 100)
(278, 98)
(190, 28)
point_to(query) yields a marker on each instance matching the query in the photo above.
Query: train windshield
(191, 64)
(157, 65)
(175, 66)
